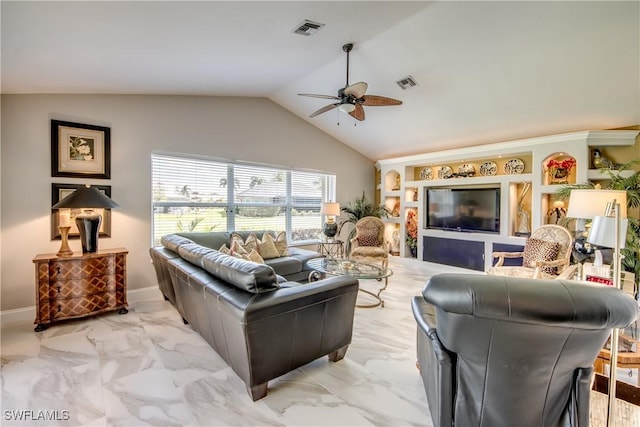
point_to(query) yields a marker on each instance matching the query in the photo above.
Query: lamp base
(89, 227)
(330, 229)
(65, 250)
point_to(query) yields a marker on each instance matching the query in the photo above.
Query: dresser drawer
(73, 307)
(80, 269)
(74, 288)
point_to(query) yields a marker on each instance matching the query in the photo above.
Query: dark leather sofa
(292, 268)
(261, 328)
(502, 352)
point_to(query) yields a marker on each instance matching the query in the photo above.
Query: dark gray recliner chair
(502, 352)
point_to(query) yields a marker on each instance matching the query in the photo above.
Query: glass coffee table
(359, 270)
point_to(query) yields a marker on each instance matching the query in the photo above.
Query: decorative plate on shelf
(466, 170)
(426, 173)
(488, 168)
(514, 166)
(445, 172)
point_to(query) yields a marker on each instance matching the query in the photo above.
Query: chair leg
(258, 391)
(338, 354)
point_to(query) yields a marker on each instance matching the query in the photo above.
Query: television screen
(463, 209)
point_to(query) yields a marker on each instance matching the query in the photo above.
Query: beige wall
(251, 129)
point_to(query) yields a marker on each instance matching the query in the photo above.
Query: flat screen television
(463, 209)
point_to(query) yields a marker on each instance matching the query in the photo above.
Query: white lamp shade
(330, 208)
(587, 204)
(603, 232)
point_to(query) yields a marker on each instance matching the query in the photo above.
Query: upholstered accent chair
(504, 352)
(369, 244)
(546, 254)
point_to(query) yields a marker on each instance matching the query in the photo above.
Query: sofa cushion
(540, 250)
(174, 241)
(246, 275)
(285, 265)
(194, 253)
(213, 239)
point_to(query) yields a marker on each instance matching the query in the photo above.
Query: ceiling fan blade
(325, 109)
(358, 113)
(357, 89)
(313, 95)
(379, 101)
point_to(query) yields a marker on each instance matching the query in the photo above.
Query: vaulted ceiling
(486, 71)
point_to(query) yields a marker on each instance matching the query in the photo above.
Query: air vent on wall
(308, 28)
(407, 82)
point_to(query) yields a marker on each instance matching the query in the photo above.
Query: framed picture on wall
(68, 216)
(80, 151)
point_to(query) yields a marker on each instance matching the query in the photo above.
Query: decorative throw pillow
(540, 250)
(368, 237)
(267, 247)
(254, 256)
(251, 243)
(251, 256)
(225, 250)
(281, 242)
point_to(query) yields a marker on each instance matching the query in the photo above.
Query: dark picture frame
(80, 150)
(59, 192)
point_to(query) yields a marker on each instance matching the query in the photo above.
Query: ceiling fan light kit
(352, 98)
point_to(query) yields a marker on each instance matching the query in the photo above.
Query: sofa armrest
(436, 365)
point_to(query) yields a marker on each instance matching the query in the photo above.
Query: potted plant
(631, 184)
(411, 225)
(356, 210)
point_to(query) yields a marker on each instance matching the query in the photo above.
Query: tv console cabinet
(518, 168)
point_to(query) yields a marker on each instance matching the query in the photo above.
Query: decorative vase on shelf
(558, 170)
(560, 176)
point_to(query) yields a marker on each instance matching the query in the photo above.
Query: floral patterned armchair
(369, 245)
(546, 254)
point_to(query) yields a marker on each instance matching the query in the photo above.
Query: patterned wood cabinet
(80, 285)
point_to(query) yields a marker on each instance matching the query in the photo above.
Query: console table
(79, 285)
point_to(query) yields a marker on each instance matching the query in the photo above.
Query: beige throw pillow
(255, 257)
(251, 243)
(280, 240)
(267, 247)
(251, 256)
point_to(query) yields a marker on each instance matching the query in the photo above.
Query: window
(195, 194)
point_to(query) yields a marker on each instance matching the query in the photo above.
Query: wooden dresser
(80, 285)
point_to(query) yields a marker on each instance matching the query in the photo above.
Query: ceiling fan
(352, 98)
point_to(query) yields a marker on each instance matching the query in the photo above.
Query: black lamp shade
(88, 222)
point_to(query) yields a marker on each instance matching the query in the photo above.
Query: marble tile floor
(146, 368)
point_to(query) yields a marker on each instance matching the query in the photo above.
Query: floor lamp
(608, 209)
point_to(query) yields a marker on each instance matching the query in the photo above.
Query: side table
(79, 285)
(331, 248)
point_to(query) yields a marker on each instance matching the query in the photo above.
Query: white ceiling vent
(407, 82)
(308, 28)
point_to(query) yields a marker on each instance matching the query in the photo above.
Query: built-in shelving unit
(519, 168)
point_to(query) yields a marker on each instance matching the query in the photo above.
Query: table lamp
(331, 210)
(86, 198)
(608, 209)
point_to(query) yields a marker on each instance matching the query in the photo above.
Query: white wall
(251, 129)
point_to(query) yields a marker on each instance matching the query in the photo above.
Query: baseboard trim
(28, 314)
